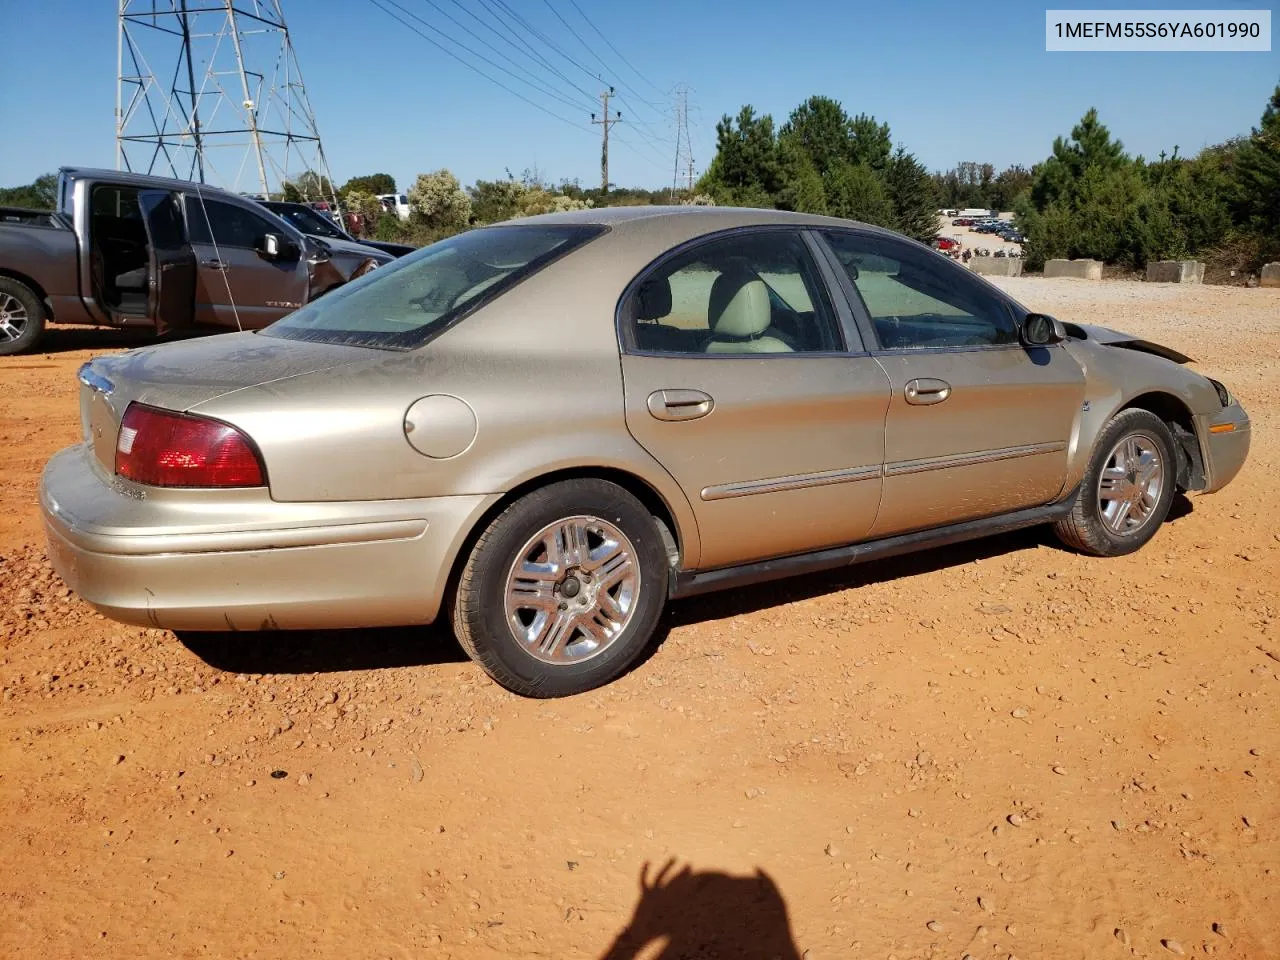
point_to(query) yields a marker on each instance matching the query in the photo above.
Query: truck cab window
(229, 225)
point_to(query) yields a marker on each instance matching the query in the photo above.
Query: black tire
(479, 600)
(1083, 529)
(32, 327)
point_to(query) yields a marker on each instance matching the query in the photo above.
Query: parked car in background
(543, 430)
(314, 224)
(962, 222)
(397, 203)
(127, 250)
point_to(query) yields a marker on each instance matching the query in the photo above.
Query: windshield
(307, 220)
(402, 305)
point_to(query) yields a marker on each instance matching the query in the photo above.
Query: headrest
(740, 307)
(653, 300)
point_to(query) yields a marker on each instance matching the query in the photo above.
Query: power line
(475, 36)
(650, 153)
(475, 69)
(544, 90)
(505, 15)
(590, 49)
(519, 44)
(544, 38)
(605, 38)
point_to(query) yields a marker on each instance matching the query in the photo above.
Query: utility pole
(605, 122)
(690, 184)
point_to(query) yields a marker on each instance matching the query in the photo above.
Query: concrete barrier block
(1270, 275)
(1175, 271)
(1078, 269)
(997, 266)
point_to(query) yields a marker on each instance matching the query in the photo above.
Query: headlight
(1223, 393)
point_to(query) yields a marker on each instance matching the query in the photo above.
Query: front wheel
(1127, 490)
(21, 317)
(563, 590)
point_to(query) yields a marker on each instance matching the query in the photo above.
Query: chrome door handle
(214, 264)
(679, 404)
(926, 390)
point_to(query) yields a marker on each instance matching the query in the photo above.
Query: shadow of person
(704, 914)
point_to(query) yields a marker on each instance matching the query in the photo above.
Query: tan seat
(741, 316)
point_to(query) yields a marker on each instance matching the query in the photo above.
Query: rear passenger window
(751, 293)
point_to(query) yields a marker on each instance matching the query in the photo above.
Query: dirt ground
(999, 750)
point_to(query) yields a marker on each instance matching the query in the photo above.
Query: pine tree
(855, 192)
(869, 142)
(1090, 148)
(911, 192)
(821, 131)
(745, 170)
(1257, 172)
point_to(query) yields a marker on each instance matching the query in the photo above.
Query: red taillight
(166, 449)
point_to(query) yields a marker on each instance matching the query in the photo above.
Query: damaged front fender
(1114, 338)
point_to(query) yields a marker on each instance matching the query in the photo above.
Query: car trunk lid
(179, 376)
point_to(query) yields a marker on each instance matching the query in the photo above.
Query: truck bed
(32, 218)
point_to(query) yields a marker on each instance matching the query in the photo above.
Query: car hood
(178, 376)
(1114, 338)
(353, 248)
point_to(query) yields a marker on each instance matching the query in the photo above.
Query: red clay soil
(997, 750)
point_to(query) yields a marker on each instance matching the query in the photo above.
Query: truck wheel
(21, 317)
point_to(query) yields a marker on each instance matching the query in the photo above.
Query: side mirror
(1040, 330)
(269, 246)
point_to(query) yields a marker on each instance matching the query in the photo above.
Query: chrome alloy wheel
(13, 317)
(572, 590)
(1131, 484)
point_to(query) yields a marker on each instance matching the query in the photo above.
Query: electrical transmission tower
(606, 122)
(684, 147)
(210, 90)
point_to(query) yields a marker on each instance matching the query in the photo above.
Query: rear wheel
(563, 590)
(1127, 490)
(21, 317)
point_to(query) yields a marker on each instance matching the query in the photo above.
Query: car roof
(695, 219)
(132, 179)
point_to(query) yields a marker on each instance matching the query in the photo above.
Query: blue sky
(386, 100)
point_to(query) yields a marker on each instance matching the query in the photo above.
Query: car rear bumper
(1226, 445)
(236, 560)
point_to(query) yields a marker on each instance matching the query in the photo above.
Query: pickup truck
(127, 250)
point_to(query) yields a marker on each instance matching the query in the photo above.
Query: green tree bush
(40, 194)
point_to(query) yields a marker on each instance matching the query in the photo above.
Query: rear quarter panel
(539, 368)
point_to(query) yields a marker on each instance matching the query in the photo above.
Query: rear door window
(755, 292)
